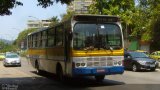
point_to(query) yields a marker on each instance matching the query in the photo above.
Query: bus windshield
(97, 36)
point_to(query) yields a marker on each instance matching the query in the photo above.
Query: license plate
(100, 70)
(152, 65)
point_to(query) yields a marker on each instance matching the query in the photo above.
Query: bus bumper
(87, 71)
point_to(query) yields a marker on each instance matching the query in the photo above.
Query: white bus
(85, 45)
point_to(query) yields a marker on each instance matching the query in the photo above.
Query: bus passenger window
(51, 38)
(59, 36)
(39, 39)
(44, 38)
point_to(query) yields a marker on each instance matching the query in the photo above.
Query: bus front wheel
(100, 78)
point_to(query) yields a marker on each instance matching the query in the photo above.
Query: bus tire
(59, 73)
(100, 78)
(38, 71)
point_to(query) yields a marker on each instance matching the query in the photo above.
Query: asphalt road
(25, 78)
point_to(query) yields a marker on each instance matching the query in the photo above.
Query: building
(79, 6)
(38, 23)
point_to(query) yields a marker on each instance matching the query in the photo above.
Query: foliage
(23, 53)
(123, 8)
(66, 16)
(155, 27)
(5, 47)
(22, 35)
(138, 16)
(46, 3)
(111, 7)
(7, 5)
(54, 21)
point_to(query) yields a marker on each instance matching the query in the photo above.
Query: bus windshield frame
(97, 36)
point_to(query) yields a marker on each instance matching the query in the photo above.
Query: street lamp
(39, 21)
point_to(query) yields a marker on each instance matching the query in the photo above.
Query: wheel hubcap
(134, 68)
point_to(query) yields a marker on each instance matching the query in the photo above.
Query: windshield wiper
(89, 48)
(117, 47)
(108, 47)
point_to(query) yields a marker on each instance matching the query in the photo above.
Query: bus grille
(96, 62)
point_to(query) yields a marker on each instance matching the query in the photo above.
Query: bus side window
(44, 38)
(29, 41)
(51, 38)
(35, 41)
(59, 36)
(39, 39)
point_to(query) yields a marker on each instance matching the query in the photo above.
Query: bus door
(66, 48)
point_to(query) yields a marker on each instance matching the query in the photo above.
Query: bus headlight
(117, 63)
(83, 64)
(77, 64)
(80, 64)
(120, 63)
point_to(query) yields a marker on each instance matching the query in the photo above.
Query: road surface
(25, 78)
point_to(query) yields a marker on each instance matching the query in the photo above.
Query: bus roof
(95, 15)
(38, 30)
(95, 18)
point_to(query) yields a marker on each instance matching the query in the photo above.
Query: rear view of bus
(96, 46)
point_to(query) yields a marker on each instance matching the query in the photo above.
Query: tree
(23, 35)
(7, 5)
(137, 18)
(54, 21)
(5, 47)
(123, 8)
(66, 16)
(154, 24)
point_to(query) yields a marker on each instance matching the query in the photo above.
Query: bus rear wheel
(100, 78)
(38, 71)
(59, 73)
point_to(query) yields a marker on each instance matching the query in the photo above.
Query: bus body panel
(47, 58)
(78, 53)
(91, 71)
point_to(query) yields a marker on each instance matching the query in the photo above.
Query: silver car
(12, 59)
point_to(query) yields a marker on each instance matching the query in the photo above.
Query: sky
(11, 25)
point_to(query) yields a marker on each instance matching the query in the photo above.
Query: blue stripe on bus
(98, 71)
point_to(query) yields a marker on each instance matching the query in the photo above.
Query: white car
(12, 59)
